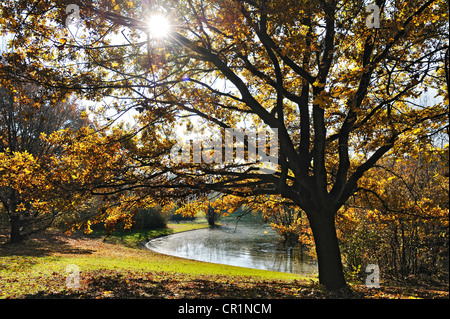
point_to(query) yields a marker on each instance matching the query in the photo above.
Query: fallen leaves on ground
(127, 283)
(99, 284)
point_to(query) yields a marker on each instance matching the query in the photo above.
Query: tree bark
(211, 215)
(15, 236)
(331, 273)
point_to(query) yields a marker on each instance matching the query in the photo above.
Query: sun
(158, 26)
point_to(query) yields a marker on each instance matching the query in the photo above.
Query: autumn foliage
(399, 220)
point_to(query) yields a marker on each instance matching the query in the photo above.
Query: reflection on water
(252, 245)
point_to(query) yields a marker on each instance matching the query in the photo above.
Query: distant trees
(399, 219)
(27, 115)
(290, 223)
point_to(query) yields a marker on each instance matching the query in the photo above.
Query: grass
(118, 268)
(134, 238)
(38, 267)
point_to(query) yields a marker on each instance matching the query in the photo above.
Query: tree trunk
(331, 273)
(16, 235)
(211, 215)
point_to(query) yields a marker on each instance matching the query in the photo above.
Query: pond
(249, 244)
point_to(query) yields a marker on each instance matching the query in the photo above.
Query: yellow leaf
(318, 84)
(322, 100)
(116, 7)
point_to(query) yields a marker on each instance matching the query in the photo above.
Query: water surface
(246, 244)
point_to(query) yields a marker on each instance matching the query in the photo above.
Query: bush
(144, 219)
(151, 218)
(179, 218)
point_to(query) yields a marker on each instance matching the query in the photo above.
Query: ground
(118, 269)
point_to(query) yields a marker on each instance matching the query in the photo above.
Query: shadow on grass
(157, 285)
(43, 244)
(104, 283)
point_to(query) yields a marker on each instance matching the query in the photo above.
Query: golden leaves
(323, 100)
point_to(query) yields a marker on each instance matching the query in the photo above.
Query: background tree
(24, 179)
(340, 94)
(398, 219)
(291, 224)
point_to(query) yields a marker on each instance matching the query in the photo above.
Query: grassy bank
(114, 269)
(37, 268)
(135, 238)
